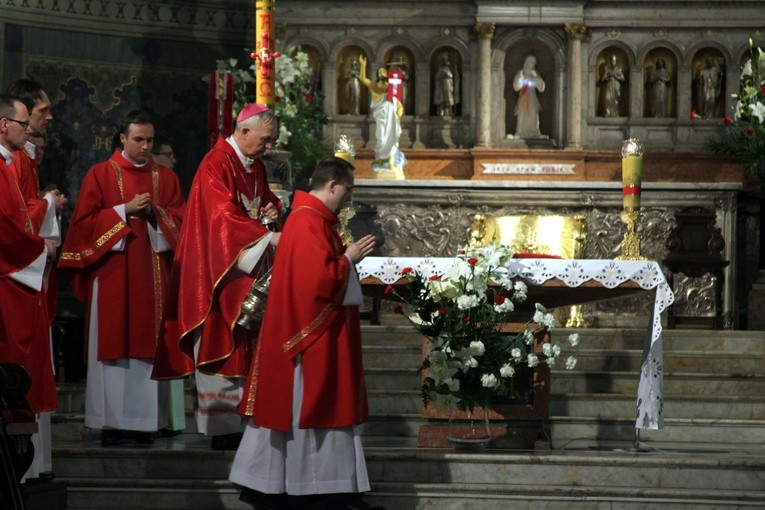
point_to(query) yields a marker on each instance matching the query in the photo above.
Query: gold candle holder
(632, 180)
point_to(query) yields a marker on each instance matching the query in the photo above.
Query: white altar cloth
(609, 273)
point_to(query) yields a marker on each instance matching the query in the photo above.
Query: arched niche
(660, 79)
(612, 89)
(515, 57)
(315, 61)
(401, 58)
(349, 84)
(446, 67)
(708, 94)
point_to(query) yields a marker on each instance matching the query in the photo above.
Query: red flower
(389, 289)
(399, 309)
(762, 90)
(406, 270)
(693, 115)
(727, 120)
(308, 96)
(434, 278)
(465, 318)
(472, 261)
(749, 132)
(442, 311)
(499, 299)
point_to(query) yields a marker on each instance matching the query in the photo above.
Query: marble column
(484, 32)
(577, 33)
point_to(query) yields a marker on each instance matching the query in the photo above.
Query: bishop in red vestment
(117, 257)
(212, 272)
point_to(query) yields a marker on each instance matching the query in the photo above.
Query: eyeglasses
(168, 154)
(22, 123)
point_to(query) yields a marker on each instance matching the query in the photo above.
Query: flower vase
(469, 430)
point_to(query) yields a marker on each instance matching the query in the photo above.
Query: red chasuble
(131, 282)
(209, 287)
(24, 170)
(23, 328)
(304, 315)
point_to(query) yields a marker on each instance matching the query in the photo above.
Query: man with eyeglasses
(44, 211)
(162, 152)
(23, 255)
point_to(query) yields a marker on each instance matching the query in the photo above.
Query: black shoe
(262, 501)
(348, 501)
(226, 441)
(169, 432)
(45, 477)
(125, 438)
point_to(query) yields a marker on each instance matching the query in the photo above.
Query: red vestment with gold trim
(305, 316)
(209, 286)
(132, 283)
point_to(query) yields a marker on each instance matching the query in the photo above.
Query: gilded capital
(484, 30)
(577, 31)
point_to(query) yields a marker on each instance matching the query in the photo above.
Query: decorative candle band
(631, 190)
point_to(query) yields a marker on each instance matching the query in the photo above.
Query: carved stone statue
(527, 82)
(708, 87)
(446, 93)
(658, 82)
(353, 88)
(612, 78)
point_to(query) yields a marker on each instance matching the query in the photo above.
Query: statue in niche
(613, 77)
(353, 88)
(387, 110)
(708, 87)
(527, 82)
(658, 82)
(447, 83)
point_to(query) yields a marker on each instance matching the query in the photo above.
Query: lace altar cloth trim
(610, 273)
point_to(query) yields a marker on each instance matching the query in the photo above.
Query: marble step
(751, 342)
(586, 428)
(106, 478)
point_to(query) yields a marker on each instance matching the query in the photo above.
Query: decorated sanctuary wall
(611, 70)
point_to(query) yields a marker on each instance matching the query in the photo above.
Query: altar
(560, 282)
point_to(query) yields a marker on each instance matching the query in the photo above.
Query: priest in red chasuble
(23, 255)
(117, 257)
(225, 245)
(44, 214)
(305, 390)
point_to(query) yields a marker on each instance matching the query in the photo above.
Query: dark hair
(159, 141)
(331, 169)
(133, 117)
(28, 92)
